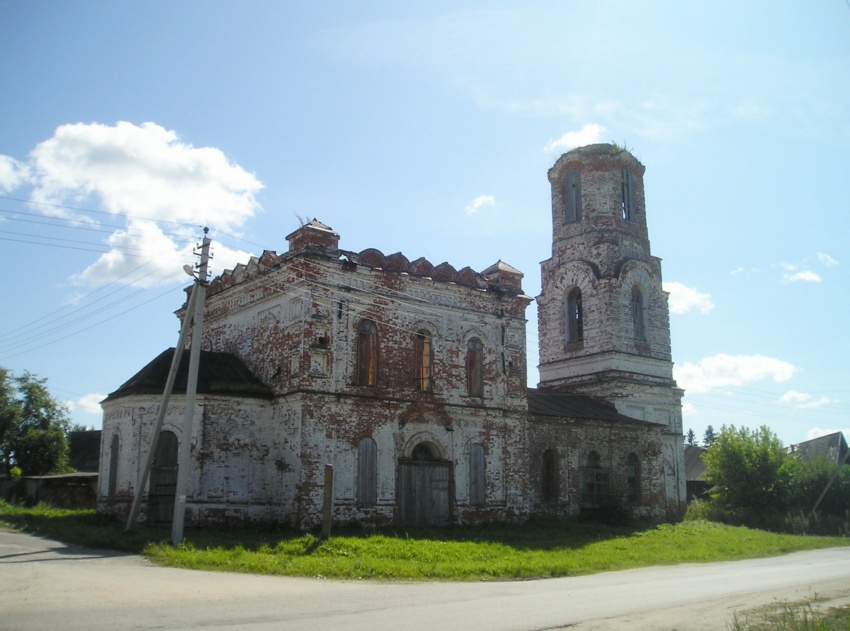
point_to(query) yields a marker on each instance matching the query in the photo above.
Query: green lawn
(496, 552)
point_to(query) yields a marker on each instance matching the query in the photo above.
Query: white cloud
(826, 260)
(145, 171)
(89, 404)
(724, 370)
(804, 275)
(146, 174)
(792, 273)
(482, 201)
(688, 408)
(794, 397)
(742, 271)
(587, 135)
(13, 174)
(803, 401)
(683, 299)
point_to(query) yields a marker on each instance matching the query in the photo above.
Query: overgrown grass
(495, 552)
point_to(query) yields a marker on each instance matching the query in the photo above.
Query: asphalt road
(50, 585)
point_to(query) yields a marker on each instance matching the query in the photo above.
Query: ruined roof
(554, 403)
(314, 238)
(218, 373)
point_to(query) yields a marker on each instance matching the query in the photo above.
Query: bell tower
(603, 318)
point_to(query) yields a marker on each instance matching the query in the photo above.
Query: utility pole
(184, 456)
(142, 482)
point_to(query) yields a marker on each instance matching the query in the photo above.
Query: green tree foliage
(747, 469)
(758, 483)
(33, 426)
(690, 438)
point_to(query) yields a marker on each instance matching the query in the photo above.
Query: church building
(410, 379)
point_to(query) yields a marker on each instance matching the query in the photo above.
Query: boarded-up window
(595, 482)
(572, 196)
(474, 367)
(633, 478)
(367, 472)
(549, 476)
(638, 314)
(477, 475)
(367, 353)
(628, 190)
(113, 468)
(575, 316)
(423, 361)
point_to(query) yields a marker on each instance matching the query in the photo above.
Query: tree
(33, 426)
(750, 471)
(690, 438)
(709, 437)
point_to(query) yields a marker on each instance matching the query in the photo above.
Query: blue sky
(428, 128)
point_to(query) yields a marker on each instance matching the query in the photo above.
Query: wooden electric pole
(184, 456)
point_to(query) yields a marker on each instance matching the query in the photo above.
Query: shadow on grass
(86, 528)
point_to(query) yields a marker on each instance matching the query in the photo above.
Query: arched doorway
(424, 488)
(163, 483)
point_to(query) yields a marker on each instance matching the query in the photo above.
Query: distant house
(696, 483)
(831, 447)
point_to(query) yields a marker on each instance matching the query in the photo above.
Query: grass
(494, 552)
(806, 615)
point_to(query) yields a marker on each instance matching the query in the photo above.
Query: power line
(100, 212)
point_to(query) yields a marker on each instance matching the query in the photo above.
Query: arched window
(112, 486)
(575, 316)
(474, 367)
(477, 475)
(549, 476)
(628, 190)
(367, 472)
(633, 478)
(572, 196)
(638, 314)
(423, 361)
(593, 461)
(367, 353)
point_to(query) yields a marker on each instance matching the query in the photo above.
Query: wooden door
(423, 493)
(163, 480)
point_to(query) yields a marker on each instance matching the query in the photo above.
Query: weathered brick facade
(410, 379)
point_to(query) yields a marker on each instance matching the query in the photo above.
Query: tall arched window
(367, 353)
(638, 314)
(633, 478)
(367, 472)
(112, 486)
(423, 361)
(477, 475)
(572, 196)
(628, 189)
(549, 476)
(575, 316)
(474, 367)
